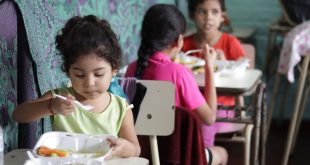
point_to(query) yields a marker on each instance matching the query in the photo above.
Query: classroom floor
(276, 143)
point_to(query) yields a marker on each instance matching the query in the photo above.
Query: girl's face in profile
(208, 16)
(91, 76)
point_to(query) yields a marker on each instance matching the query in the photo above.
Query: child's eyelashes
(214, 11)
(204, 12)
(99, 75)
(201, 11)
(82, 76)
(79, 76)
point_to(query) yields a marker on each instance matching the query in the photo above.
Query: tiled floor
(276, 144)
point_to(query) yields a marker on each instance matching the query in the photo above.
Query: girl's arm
(30, 111)
(127, 145)
(210, 90)
(207, 112)
(45, 105)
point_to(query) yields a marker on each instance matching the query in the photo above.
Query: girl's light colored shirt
(160, 67)
(82, 121)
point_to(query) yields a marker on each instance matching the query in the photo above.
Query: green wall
(258, 14)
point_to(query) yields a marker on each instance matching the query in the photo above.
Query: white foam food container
(231, 68)
(63, 161)
(78, 145)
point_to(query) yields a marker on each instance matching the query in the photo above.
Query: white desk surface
(19, 157)
(233, 84)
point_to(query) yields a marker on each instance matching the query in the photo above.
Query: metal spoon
(86, 107)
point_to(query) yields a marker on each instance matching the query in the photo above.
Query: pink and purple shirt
(160, 67)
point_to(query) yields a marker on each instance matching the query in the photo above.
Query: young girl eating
(91, 57)
(208, 16)
(163, 27)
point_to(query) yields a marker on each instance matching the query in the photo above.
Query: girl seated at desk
(161, 40)
(208, 16)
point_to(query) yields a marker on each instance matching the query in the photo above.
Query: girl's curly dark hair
(84, 35)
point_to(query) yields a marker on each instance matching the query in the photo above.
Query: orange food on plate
(48, 152)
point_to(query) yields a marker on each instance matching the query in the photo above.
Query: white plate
(189, 61)
(78, 145)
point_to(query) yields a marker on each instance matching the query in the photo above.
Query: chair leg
(247, 143)
(299, 119)
(263, 134)
(296, 110)
(154, 150)
(241, 101)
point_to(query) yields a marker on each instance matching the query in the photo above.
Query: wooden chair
(157, 117)
(241, 132)
(295, 48)
(302, 94)
(157, 113)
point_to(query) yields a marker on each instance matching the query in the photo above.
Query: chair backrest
(174, 149)
(249, 51)
(157, 110)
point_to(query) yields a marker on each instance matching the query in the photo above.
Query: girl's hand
(121, 148)
(209, 56)
(63, 107)
(220, 55)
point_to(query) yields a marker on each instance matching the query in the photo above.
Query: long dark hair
(89, 34)
(161, 26)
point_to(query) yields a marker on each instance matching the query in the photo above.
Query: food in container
(48, 152)
(189, 61)
(63, 161)
(72, 145)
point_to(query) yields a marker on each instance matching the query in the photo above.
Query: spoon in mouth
(86, 107)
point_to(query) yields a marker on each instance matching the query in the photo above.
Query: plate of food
(219, 66)
(72, 145)
(189, 61)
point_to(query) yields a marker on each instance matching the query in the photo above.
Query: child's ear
(224, 17)
(114, 72)
(178, 42)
